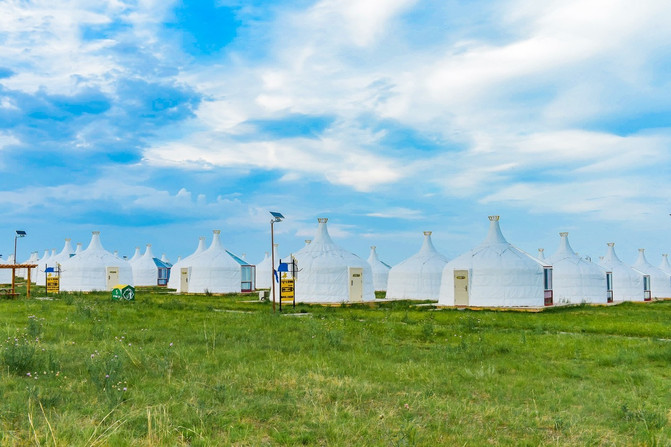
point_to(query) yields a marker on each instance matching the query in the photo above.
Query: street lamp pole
(19, 233)
(277, 217)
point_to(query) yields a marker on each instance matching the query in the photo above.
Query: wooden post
(13, 280)
(28, 285)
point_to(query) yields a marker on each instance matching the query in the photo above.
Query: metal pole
(15, 237)
(272, 259)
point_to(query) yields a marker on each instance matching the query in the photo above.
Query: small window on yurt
(547, 285)
(609, 286)
(647, 296)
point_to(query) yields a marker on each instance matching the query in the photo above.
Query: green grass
(387, 374)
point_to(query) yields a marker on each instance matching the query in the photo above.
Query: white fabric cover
(418, 277)
(380, 270)
(541, 254)
(79, 248)
(165, 259)
(323, 275)
(174, 282)
(499, 274)
(145, 272)
(6, 274)
(263, 272)
(576, 280)
(213, 270)
(627, 282)
(664, 265)
(87, 271)
(660, 281)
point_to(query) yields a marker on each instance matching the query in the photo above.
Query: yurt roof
(644, 266)
(495, 247)
(611, 261)
(64, 254)
(664, 265)
(215, 254)
(137, 255)
(427, 254)
(374, 260)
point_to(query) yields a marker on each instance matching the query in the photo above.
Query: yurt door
(461, 287)
(355, 284)
(184, 280)
(112, 277)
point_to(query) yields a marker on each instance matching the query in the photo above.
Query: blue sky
(157, 121)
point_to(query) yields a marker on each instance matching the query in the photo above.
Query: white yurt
(175, 272)
(137, 255)
(5, 274)
(380, 270)
(627, 281)
(330, 274)
(94, 269)
(660, 281)
(145, 271)
(263, 272)
(44, 262)
(664, 265)
(418, 277)
(496, 274)
(212, 270)
(55, 260)
(541, 254)
(23, 273)
(79, 248)
(576, 280)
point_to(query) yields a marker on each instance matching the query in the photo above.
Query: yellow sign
(287, 289)
(53, 284)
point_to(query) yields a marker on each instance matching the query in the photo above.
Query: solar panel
(277, 216)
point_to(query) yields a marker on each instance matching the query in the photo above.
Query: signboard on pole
(53, 284)
(287, 290)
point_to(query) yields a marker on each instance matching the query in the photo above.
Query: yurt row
(493, 274)
(210, 269)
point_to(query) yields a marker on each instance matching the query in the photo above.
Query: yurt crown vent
(95, 232)
(641, 250)
(67, 239)
(148, 245)
(563, 233)
(372, 247)
(216, 231)
(428, 233)
(322, 219)
(611, 244)
(541, 250)
(308, 241)
(493, 218)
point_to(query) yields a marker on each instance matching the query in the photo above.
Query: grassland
(209, 370)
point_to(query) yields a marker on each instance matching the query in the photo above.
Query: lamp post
(19, 233)
(277, 217)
